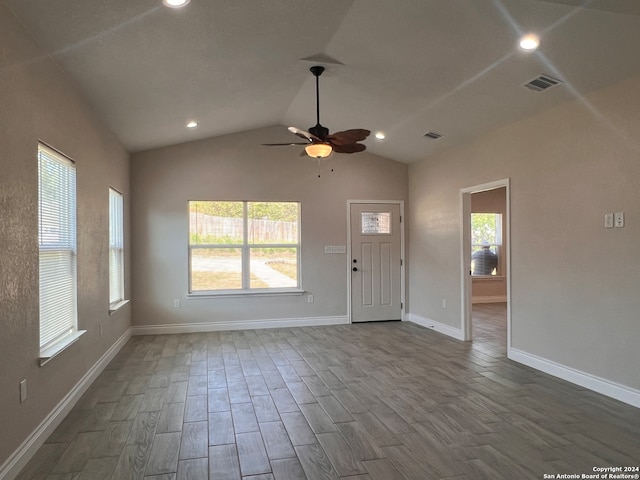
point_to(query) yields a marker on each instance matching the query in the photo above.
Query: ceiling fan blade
(304, 134)
(348, 136)
(284, 144)
(349, 148)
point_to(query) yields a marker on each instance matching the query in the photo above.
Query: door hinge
(401, 305)
(400, 262)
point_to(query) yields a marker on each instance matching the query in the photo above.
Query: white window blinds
(116, 248)
(57, 243)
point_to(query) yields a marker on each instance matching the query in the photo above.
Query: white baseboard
(437, 326)
(30, 446)
(238, 325)
(489, 299)
(586, 380)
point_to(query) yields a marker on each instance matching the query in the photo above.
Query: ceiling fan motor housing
(319, 131)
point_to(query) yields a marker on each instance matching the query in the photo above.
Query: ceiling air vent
(432, 135)
(543, 82)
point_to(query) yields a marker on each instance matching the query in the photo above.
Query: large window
(116, 249)
(244, 246)
(486, 242)
(57, 242)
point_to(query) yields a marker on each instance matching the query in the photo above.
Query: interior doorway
(486, 265)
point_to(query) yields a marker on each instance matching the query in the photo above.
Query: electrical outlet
(23, 390)
(618, 219)
(444, 303)
(176, 303)
(100, 329)
(310, 298)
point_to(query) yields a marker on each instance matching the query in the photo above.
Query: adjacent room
(348, 239)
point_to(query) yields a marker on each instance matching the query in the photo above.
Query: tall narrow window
(116, 249)
(57, 244)
(244, 246)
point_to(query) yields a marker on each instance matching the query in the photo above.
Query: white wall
(574, 284)
(38, 102)
(237, 167)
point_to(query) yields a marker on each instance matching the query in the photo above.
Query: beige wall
(39, 103)
(574, 284)
(494, 288)
(237, 167)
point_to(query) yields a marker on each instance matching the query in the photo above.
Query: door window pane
(376, 223)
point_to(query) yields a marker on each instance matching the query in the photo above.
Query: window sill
(243, 293)
(114, 307)
(487, 278)
(54, 350)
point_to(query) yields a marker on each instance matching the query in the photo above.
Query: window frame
(245, 248)
(116, 245)
(57, 235)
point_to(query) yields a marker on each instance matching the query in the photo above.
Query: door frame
(402, 255)
(465, 250)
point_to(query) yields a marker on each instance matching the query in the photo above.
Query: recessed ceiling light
(192, 124)
(530, 42)
(175, 3)
(380, 135)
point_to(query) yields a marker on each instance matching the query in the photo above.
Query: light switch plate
(608, 220)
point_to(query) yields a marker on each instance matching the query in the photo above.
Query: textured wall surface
(237, 167)
(573, 283)
(39, 103)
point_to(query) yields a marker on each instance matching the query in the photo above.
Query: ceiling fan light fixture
(318, 150)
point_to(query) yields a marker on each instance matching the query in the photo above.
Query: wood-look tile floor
(381, 401)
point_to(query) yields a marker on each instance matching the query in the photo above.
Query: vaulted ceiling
(404, 67)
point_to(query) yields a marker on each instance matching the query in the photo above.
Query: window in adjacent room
(486, 241)
(116, 249)
(241, 247)
(58, 251)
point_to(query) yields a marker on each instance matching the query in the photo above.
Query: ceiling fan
(319, 142)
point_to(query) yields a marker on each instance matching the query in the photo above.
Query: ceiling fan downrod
(319, 131)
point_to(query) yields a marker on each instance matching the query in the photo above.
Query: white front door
(375, 262)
